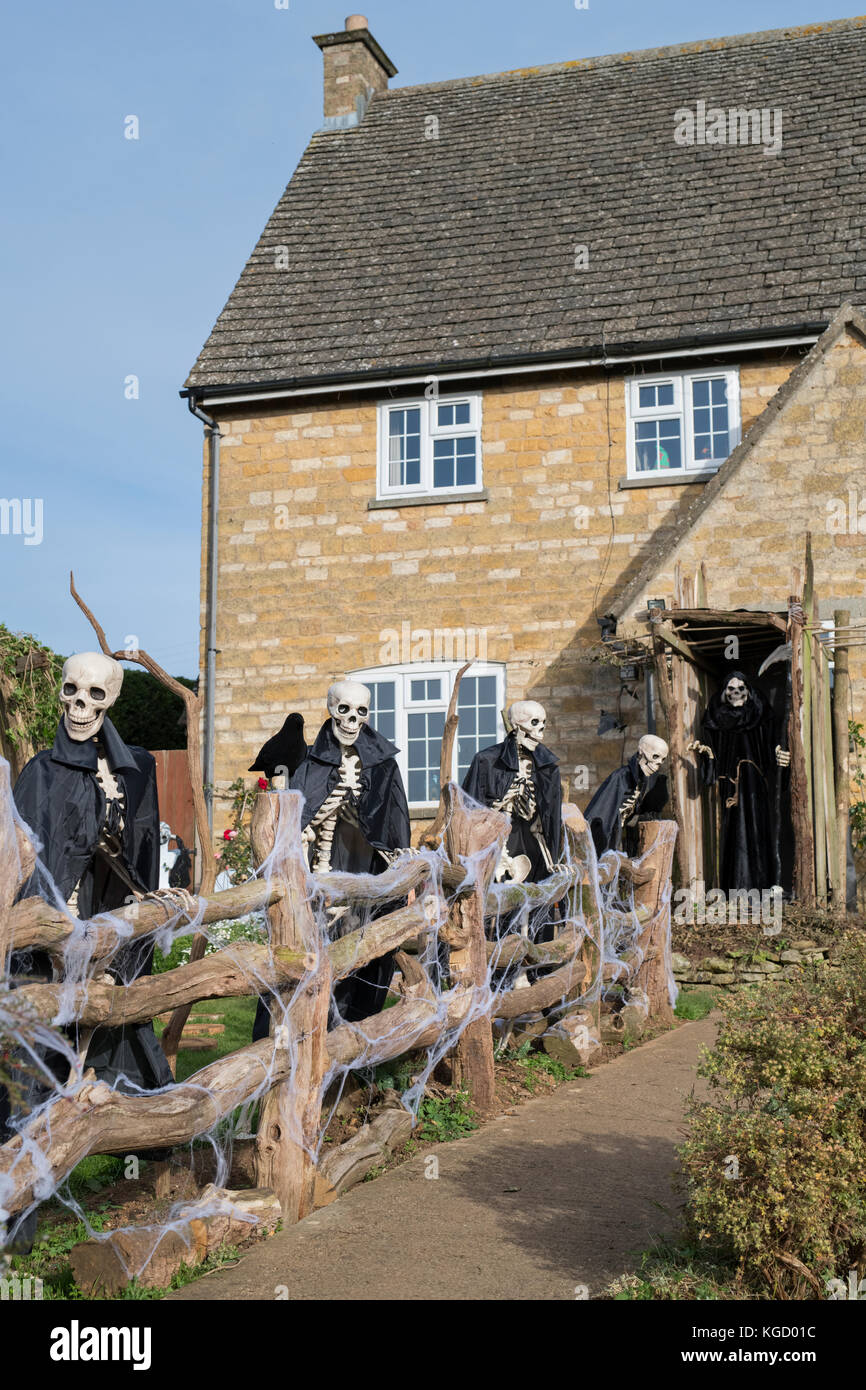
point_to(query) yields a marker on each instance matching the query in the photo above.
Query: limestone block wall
(310, 579)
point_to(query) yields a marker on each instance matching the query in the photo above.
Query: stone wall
(739, 969)
(310, 578)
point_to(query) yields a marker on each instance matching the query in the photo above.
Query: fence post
(291, 1111)
(469, 833)
(656, 840)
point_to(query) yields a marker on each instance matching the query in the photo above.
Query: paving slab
(541, 1204)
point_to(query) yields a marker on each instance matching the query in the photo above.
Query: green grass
(676, 1272)
(694, 1004)
(237, 1015)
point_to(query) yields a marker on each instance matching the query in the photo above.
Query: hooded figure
(637, 789)
(491, 776)
(352, 822)
(61, 797)
(737, 752)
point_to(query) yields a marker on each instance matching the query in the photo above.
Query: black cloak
(490, 775)
(58, 796)
(602, 813)
(383, 823)
(744, 766)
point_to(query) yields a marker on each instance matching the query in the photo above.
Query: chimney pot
(356, 21)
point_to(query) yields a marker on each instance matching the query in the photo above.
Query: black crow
(285, 752)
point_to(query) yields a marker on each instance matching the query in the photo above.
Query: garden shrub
(775, 1159)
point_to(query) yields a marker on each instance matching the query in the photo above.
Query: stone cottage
(510, 346)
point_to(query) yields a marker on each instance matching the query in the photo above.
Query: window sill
(673, 480)
(427, 500)
(424, 812)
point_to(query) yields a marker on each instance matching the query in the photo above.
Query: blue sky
(119, 254)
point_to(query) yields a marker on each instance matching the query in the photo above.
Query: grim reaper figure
(739, 753)
(638, 789)
(92, 803)
(355, 820)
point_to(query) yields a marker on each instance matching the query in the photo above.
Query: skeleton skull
(651, 753)
(527, 718)
(349, 708)
(736, 692)
(90, 685)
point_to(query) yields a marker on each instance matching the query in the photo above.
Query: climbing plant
(28, 698)
(147, 715)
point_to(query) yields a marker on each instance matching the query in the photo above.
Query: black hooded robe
(602, 813)
(490, 775)
(58, 796)
(744, 767)
(383, 823)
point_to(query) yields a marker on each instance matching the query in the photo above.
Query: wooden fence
(300, 965)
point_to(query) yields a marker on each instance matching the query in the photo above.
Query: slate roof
(407, 252)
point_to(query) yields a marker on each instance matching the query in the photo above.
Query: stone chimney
(355, 69)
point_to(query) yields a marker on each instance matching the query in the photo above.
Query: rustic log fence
(455, 900)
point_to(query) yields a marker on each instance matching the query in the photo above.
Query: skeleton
(528, 720)
(349, 708)
(651, 753)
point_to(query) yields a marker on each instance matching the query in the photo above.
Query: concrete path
(560, 1194)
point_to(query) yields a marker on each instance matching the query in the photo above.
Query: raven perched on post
(283, 753)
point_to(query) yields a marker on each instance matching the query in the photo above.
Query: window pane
(446, 415)
(443, 462)
(465, 462)
(657, 445)
(711, 424)
(461, 413)
(662, 393)
(416, 725)
(477, 708)
(383, 707)
(404, 447)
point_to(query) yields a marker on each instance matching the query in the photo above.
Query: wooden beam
(668, 634)
(841, 769)
(288, 1130)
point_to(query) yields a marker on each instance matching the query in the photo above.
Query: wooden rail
(289, 1070)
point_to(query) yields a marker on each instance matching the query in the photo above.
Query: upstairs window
(430, 447)
(681, 423)
(409, 705)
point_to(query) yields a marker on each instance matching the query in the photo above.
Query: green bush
(775, 1158)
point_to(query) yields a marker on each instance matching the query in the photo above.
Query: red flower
(263, 783)
(227, 834)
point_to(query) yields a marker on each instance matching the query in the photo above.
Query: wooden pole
(470, 833)
(806, 731)
(841, 768)
(656, 840)
(801, 820)
(291, 1112)
(828, 787)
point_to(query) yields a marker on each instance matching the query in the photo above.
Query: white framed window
(430, 447)
(682, 422)
(409, 704)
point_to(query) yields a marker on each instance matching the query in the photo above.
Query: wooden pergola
(690, 646)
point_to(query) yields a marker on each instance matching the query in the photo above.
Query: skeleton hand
(783, 759)
(696, 747)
